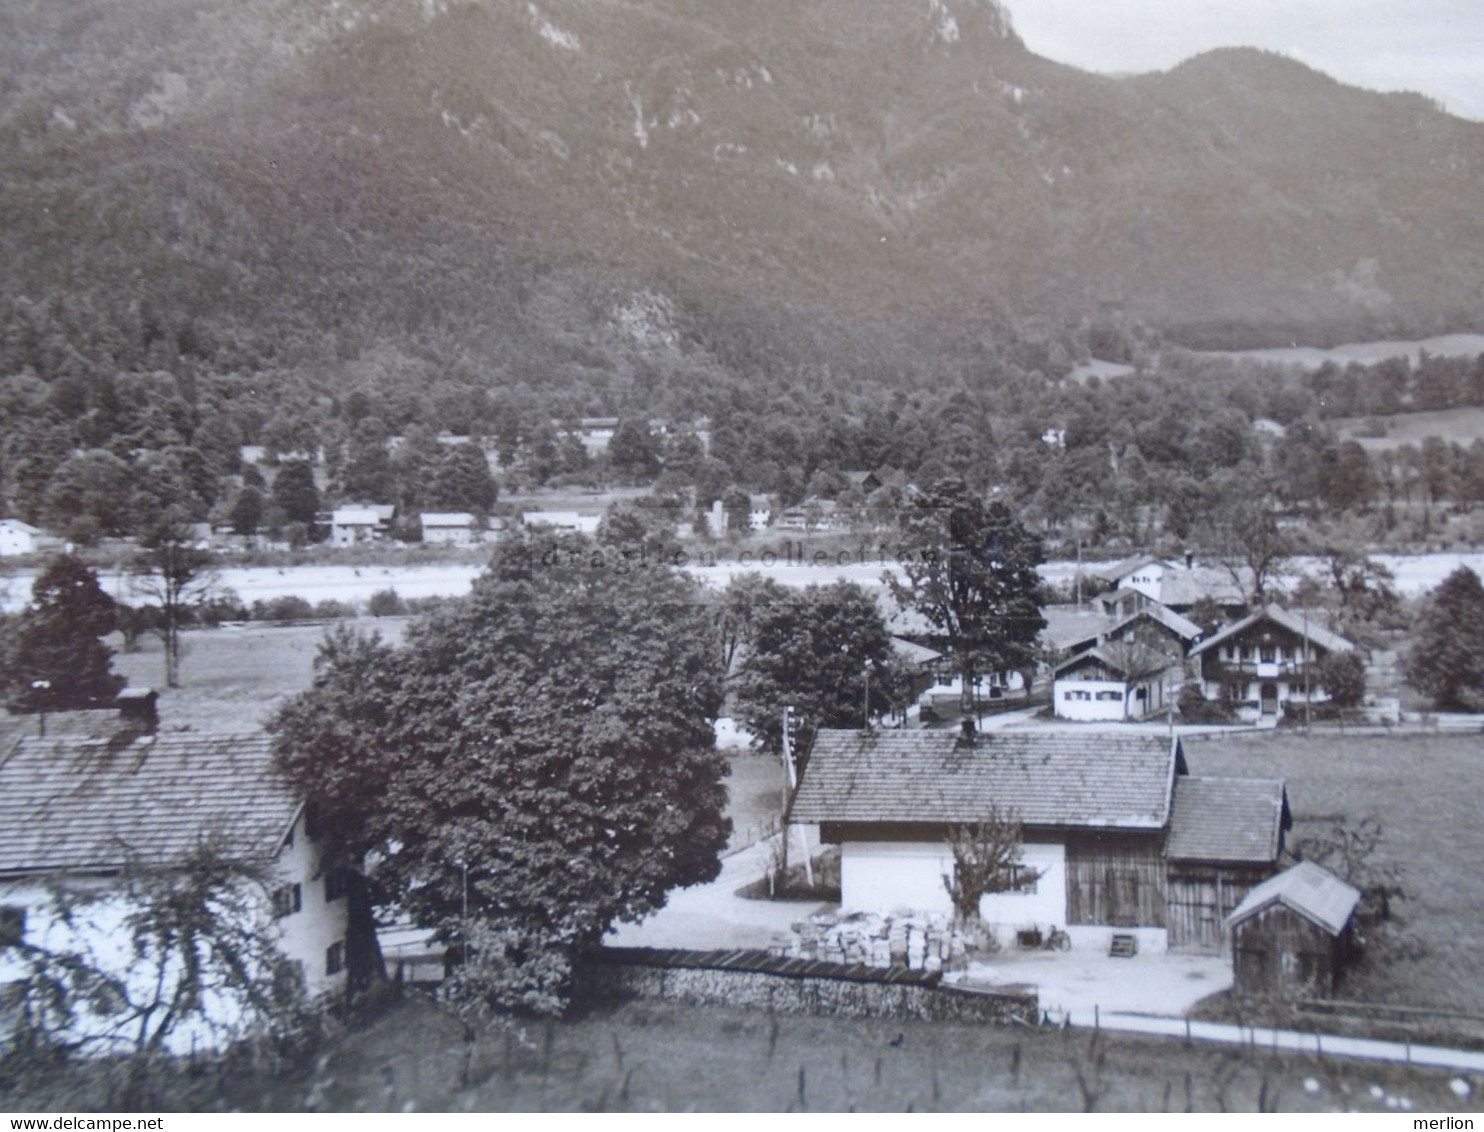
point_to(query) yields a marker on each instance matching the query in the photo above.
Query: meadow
(1423, 790)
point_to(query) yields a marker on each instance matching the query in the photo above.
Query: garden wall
(757, 980)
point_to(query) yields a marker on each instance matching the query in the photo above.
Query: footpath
(1290, 1041)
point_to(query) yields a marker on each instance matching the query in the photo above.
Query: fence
(758, 980)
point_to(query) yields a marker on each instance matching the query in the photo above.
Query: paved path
(714, 916)
(1265, 1038)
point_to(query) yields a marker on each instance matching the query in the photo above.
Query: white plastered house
(1098, 811)
(87, 813)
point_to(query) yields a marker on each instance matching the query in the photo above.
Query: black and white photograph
(632, 556)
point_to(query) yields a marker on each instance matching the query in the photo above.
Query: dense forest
(817, 242)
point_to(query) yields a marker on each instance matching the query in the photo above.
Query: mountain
(513, 185)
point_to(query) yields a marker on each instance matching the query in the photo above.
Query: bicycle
(1054, 940)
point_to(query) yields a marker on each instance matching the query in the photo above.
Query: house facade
(1096, 812)
(449, 528)
(1114, 682)
(92, 820)
(1266, 661)
(357, 524)
(18, 537)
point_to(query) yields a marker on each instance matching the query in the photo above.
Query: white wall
(1068, 706)
(883, 876)
(98, 932)
(306, 935)
(1046, 907)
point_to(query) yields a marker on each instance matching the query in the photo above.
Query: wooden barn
(1225, 837)
(1293, 935)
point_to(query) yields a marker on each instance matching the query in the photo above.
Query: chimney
(967, 727)
(137, 706)
(1190, 560)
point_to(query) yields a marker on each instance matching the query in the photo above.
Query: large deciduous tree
(823, 651)
(56, 659)
(540, 753)
(1447, 661)
(969, 567)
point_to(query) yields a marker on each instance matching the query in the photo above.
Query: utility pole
(1307, 686)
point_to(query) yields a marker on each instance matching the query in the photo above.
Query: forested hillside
(295, 221)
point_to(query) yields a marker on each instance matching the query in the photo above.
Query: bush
(286, 608)
(332, 610)
(1195, 708)
(222, 606)
(386, 603)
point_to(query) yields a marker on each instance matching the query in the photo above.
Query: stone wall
(758, 981)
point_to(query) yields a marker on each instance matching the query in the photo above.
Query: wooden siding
(1200, 899)
(1115, 879)
(1279, 952)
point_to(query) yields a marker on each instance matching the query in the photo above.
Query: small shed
(1294, 934)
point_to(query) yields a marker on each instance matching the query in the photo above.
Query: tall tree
(540, 752)
(294, 492)
(969, 568)
(1447, 661)
(56, 659)
(822, 650)
(174, 574)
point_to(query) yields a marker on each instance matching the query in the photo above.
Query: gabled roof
(914, 653)
(1314, 893)
(447, 519)
(1184, 588)
(355, 517)
(21, 526)
(1228, 820)
(1048, 778)
(1129, 565)
(1136, 662)
(1066, 625)
(1293, 622)
(1181, 626)
(99, 805)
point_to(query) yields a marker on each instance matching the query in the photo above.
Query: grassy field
(233, 678)
(1424, 790)
(1462, 426)
(645, 1057)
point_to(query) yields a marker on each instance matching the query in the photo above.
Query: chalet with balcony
(1266, 661)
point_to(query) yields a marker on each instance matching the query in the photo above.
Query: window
(12, 924)
(335, 957)
(1023, 879)
(337, 883)
(1269, 654)
(1115, 696)
(287, 900)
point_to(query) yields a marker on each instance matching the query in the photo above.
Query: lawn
(233, 678)
(1424, 789)
(1461, 426)
(651, 1056)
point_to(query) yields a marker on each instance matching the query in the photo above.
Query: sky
(1432, 46)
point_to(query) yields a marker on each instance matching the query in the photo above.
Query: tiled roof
(1066, 625)
(446, 519)
(1314, 893)
(1049, 778)
(914, 653)
(1232, 820)
(1130, 660)
(1186, 587)
(1128, 566)
(1181, 626)
(1293, 622)
(90, 805)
